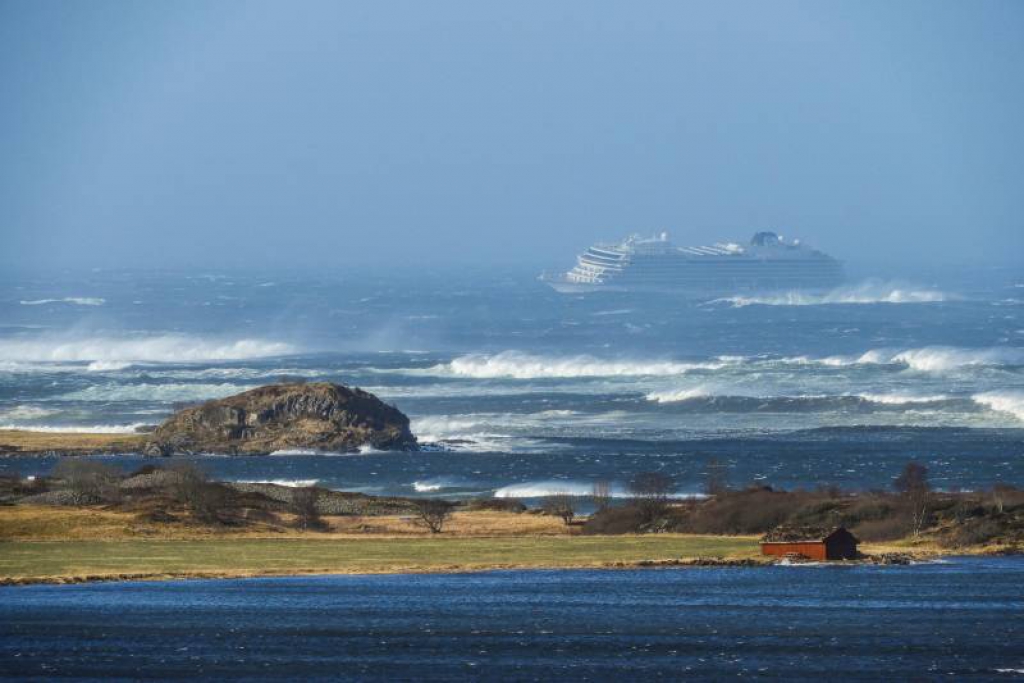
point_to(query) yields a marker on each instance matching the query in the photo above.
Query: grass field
(14, 440)
(80, 560)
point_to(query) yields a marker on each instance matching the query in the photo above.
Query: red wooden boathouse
(812, 543)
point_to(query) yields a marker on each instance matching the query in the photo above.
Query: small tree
(601, 494)
(192, 488)
(651, 491)
(715, 477)
(88, 481)
(561, 505)
(913, 485)
(305, 502)
(1000, 492)
(433, 513)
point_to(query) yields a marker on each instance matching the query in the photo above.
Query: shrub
(627, 519)
(561, 505)
(972, 532)
(88, 481)
(497, 504)
(651, 491)
(888, 529)
(192, 489)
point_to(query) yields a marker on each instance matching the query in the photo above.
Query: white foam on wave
(518, 365)
(871, 292)
(557, 487)
(154, 349)
(436, 484)
(107, 366)
(291, 483)
(154, 392)
(1011, 402)
(26, 412)
(471, 429)
(77, 429)
(897, 399)
(76, 300)
(678, 395)
(942, 358)
(923, 359)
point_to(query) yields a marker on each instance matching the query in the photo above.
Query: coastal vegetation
(92, 520)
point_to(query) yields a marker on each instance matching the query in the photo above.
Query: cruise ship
(768, 263)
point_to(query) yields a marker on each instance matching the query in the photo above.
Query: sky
(422, 134)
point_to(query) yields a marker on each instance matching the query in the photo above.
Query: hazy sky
(307, 133)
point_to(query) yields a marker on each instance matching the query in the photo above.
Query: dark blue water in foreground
(964, 618)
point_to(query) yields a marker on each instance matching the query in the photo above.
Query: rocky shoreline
(315, 416)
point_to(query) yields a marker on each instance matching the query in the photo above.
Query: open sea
(528, 391)
(962, 619)
(522, 392)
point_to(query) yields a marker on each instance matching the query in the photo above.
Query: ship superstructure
(767, 263)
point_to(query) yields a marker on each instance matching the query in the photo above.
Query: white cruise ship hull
(656, 266)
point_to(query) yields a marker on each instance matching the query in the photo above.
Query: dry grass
(14, 440)
(158, 558)
(68, 544)
(45, 523)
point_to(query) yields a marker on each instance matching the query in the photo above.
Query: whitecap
(558, 487)
(902, 399)
(677, 395)
(1011, 402)
(870, 292)
(75, 300)
(159, 349)
(291, 483)
(27, 412)
(169, 393)
(518, 365)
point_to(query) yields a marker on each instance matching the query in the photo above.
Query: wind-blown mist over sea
(523, 389)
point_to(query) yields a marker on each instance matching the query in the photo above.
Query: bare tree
(88, 481)
(191, 487)
(304, 501)
(651, 491)
(561, 505)
(715, 477)
(433, 513)
(601, 494)
(913, 485)
(1000, 492)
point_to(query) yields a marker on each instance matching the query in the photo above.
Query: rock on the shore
(319, 416)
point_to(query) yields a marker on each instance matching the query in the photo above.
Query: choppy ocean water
(532, 391)
(961, 619)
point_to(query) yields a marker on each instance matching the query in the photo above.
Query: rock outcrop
(319, 416)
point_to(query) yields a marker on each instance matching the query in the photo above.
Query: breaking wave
(154, 392)
(1011, 402)
(76, 300)
(555, 487)
(902, 399)
(435, 484)
(924, 359)
(866, 293)
(25, 412)
(943, 358)
(291, 483)
(124, 350)
(517, 365)
(675, 396)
